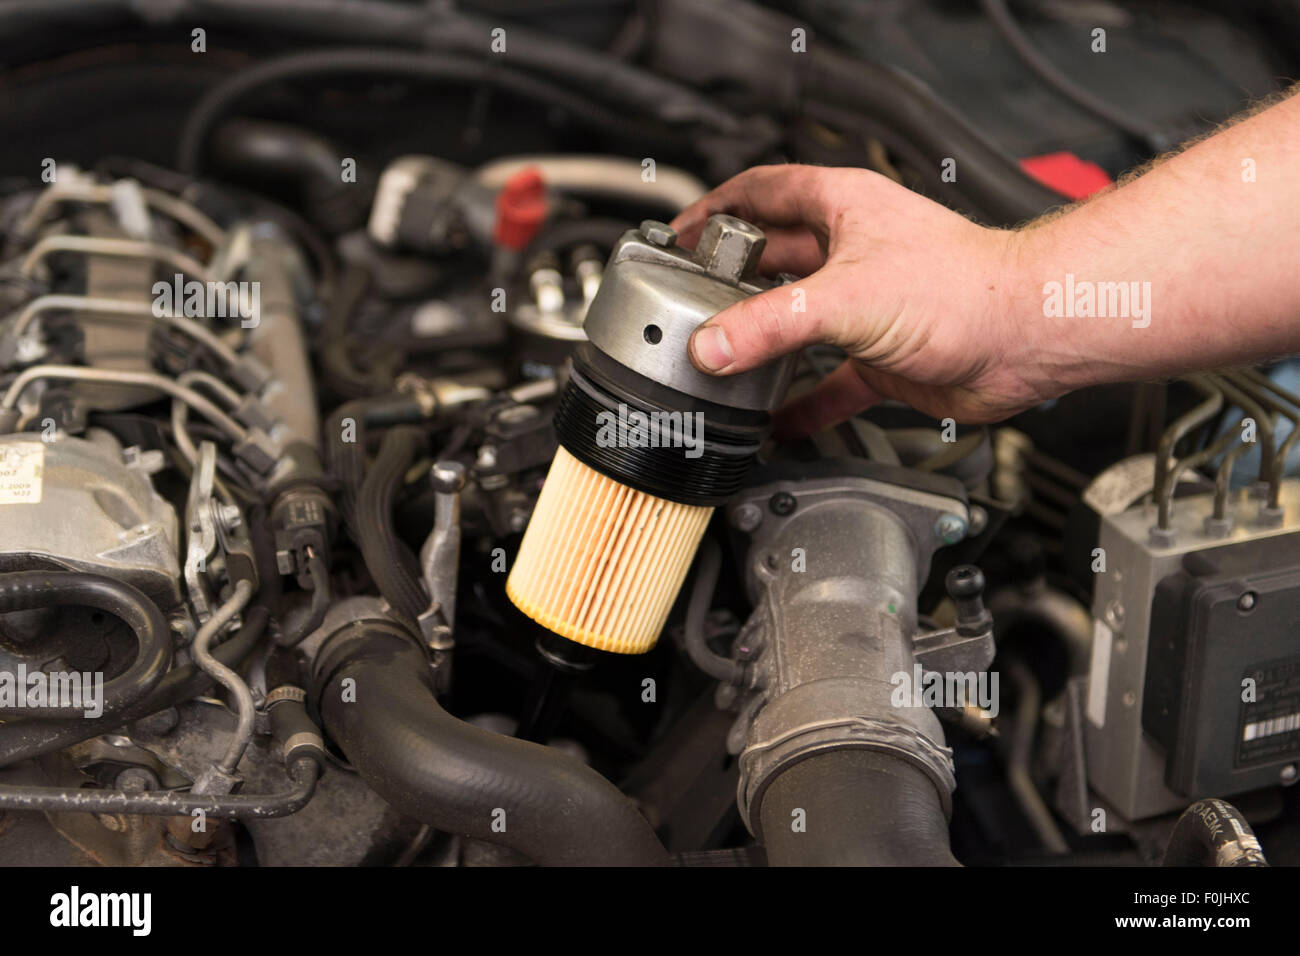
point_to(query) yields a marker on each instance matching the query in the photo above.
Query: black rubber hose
(277, 149)
(24, 739)
(345, 453)
(297, 630)
(847, 93)
(290, 154)
(1213, 833)
(1000, 14)
(243, 806)
(382, 61)
(859, 808)
(463, 779)
(900, 110)
(388, 560)
(903, 109)
(337, 344)
(443, 28)
(345, 443)
(437, 27)
(28, 590)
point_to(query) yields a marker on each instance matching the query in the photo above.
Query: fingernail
(711, 349)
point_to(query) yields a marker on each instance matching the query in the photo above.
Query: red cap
(521, 209)
(1067, 174)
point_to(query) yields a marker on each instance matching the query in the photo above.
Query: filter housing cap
(654, 294)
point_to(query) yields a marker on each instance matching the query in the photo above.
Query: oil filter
(649, 445)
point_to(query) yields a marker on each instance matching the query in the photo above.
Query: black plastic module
(1222, 689)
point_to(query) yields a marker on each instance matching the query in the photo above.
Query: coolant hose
(345, 443)
(1213, 833)
(460, 778)
(29, 590)
(387, 559)
(854, 807)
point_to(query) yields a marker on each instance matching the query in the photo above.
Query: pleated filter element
(601, 563)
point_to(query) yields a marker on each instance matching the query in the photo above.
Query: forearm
(1207, 254)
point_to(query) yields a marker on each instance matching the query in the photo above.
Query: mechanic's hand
(914, 293)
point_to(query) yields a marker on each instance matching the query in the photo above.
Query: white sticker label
(1099, 673)
(21, 467)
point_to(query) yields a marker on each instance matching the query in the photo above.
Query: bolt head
(1247, 602)
(1270, 517)
(965, 580)
(730, 248)
(747, 517)
(1289, 775)
(1162, 537)
(447, 476)
(659, 234)
(1217, 527)
(950, 528)
(136, 779)
(230, 517)
(782, 503)
(1115, 614)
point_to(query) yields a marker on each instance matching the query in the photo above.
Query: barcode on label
(1274, 725)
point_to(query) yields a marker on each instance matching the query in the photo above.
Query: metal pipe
(216, 386)
(1025, 722)
(1166, 494)
(697, 613)
(102, 194)
(1181, 426)
(123, 248)
(180, 411)
(111, 309)
(613, 176)
(162, 383)
(1260, 386)
(1223, 479)
(225, 676)
(169, 803)
(1267, 450)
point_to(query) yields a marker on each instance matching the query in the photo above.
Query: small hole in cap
(653, 334)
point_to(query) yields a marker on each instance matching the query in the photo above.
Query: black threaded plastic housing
(727, 444)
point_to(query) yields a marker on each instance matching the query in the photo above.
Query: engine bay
(359, 505)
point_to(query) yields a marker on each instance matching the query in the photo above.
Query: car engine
(359, 505)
